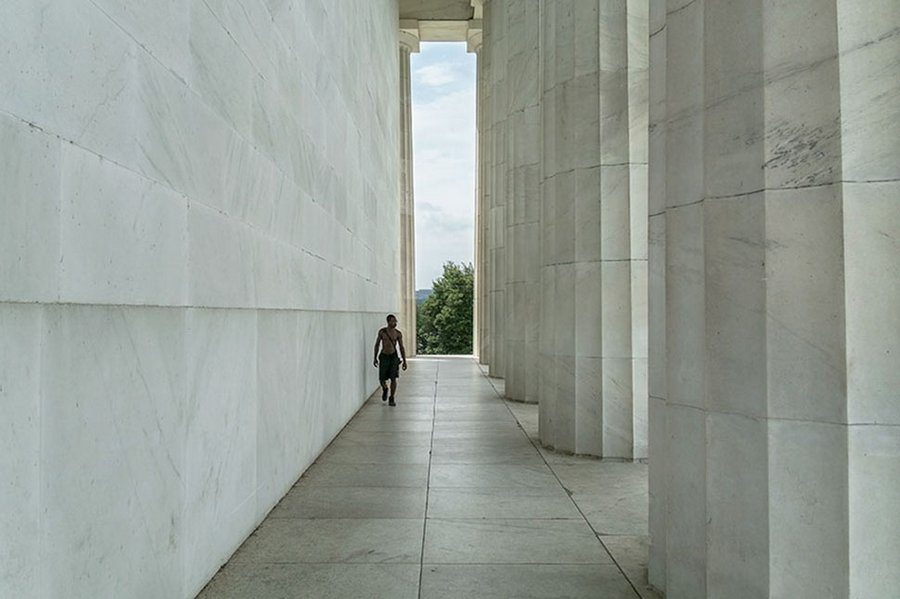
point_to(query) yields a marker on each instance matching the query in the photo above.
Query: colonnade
(775, 298)
(563, 207)
(723, 177)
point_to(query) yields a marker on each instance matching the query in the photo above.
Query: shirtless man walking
(388, 363)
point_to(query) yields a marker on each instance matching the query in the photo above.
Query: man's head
(391, 321)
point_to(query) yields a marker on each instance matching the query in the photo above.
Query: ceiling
(436, 10)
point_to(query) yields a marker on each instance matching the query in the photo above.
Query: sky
(443, 96)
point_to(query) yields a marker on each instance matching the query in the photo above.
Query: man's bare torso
(389, 339)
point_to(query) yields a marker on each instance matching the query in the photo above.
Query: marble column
(594, 233)
(523, 154)
(478, 282)
(657, 467)
(484, 270)
(637, 73)
(408, 44)
(869, 68)
(480, 319)
(495, 99)
(484, 198)
(775, 458)
(557, 306)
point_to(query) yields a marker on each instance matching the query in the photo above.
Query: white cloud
(436, 75)
(433, 218)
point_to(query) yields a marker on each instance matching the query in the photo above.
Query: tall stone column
(495, 99)
(478, 283)
(510, 145)
(777, 204)
(637, 73)
(557, 307)
(480, 316)
(408, 44)
(565, 141)
(657, 467)
(523, 154)
(594, 237)
(869, 47)
(485, 274)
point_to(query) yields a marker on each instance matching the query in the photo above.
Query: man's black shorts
(388, 366)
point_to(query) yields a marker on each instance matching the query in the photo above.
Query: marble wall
(199, 239)
(775, 452)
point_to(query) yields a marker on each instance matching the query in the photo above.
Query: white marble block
(29, 201)
(114, 458)
(20, 464)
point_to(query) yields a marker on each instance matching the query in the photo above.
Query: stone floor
(448, 495)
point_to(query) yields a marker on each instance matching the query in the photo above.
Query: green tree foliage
(444, 320)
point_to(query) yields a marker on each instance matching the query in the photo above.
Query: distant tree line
(444, 319)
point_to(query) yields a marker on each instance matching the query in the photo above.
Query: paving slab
(448, 494)
(323, 581)
(501, 541)
(313, 541)
(366, 475)
(525, 582)
(352, 502)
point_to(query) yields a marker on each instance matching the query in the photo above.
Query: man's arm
(402, 349)
(377, 343)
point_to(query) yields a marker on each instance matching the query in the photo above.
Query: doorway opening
(443, 76)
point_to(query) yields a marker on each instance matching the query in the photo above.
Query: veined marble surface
(198, 243)
(594, 236)
(200, 126)
(20, 461)
(773, 299)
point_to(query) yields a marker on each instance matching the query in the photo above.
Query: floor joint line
(437, 371)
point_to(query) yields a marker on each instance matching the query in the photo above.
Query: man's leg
(384, 390)
(393, 390)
